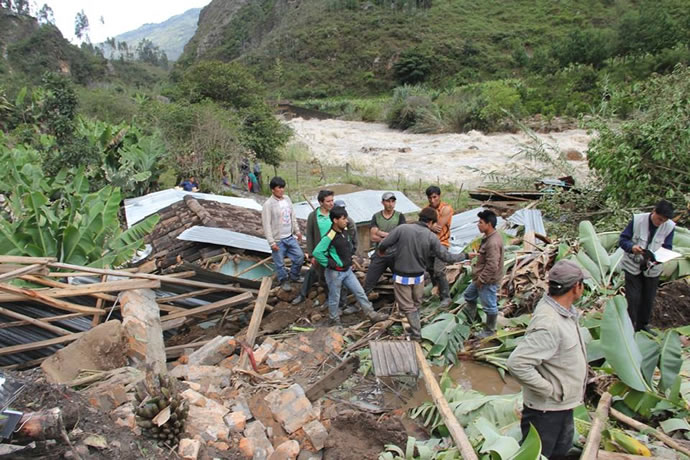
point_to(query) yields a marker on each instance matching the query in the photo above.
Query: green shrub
(412, 105)
(107, 104)
(412, 67)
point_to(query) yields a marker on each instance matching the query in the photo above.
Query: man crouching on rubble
(415, 244)
(550, 362)
(334, 252)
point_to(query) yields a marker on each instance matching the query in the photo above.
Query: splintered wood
(48, 311)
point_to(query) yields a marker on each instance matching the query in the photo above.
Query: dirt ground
(672, 306)
(357, 436)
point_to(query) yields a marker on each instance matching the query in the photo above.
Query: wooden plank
(25, 364)
(58, 284)
(22, 271)
(177, 350)
(26, 260)
(61, 304)
(69, 290)
(43, 325)
(99, 304)
(594, 438)
(40, 344)
(167, 279)
(210, 308)
(186, 295)
(333, 379)
(186, 274)
(257, 316)
(394, 358)
(454, 427)
(252, 267)
(49, 319)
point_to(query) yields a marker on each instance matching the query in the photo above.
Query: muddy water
(374, 149)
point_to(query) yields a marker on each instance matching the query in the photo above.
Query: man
(257, 174)
(190, 185)
(382, 223)
(486, 274)
(334, 252)
(645, 234)
(550, 362)
(282, 233)
(437, 269)
(318, 224)
(414, 245)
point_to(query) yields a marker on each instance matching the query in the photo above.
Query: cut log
(454, 427)
(333, 379)
(600, 417)
(257, 316)
(646, 429)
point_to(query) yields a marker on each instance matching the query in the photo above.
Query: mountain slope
(170, 35)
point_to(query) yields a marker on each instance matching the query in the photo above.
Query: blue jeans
(290, 248)
(336, 280)
(486, 294)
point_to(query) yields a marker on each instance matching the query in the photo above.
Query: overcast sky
(119, 16)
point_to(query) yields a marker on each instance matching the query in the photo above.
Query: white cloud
(118, 16)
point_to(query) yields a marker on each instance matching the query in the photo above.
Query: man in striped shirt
(415, 245)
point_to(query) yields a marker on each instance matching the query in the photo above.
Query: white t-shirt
(285, 219)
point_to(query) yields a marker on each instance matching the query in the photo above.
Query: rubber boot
(415, 331)
(490, 328)
(444, 291)
(374, 316)
(471, 312)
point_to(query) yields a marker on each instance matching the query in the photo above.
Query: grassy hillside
(316, 48)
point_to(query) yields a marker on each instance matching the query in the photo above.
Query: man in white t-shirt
(282, 233)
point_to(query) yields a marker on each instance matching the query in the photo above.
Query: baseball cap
(388, 196)
(566, 273)
(339, 203)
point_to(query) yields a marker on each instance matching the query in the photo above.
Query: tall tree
(45, 15)
(81, 25)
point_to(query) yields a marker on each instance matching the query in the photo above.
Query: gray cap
(339, 203)
(566, 273)
(388, 196)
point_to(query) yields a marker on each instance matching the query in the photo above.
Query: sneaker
(298, 300)
(286, 286)
(299, 279)
(350, 309)
(334, 321)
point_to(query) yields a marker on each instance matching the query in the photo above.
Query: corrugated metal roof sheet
(463, 227)
(362, 205)
(530, 218)
(141, 207)
(223, 237)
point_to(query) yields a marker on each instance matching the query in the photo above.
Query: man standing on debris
(486, 274)
(414, 244)
(437, 269)
(382, 223)
(645, 234)
(334, 252)
(282, 233)
(550, 362)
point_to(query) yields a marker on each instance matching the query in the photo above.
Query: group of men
(550, 362)
(407, 250)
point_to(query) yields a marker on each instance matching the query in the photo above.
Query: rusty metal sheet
(394, 358)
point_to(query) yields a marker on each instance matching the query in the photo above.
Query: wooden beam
(210, 308)
(49, 319)
(57, 284)
(70, 290)
(333, 379)
(648, 430)
(43, 325)
(257, 316)
(21, 271)
(454, 427)
(34, 295)
(40, 344)
(177, 350)
(25, 364)
(186, 295)
(26, 260)
(187, 274)
(165, 278)
(252, 267)
(594, 438)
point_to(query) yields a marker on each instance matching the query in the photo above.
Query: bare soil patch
(672, 306)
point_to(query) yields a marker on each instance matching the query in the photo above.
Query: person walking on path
(486, 274)
(257, 173)
(644, 234)
(414, 244)
(550, 362)
(437, 269)
(334, 253)
(282, 233)
(382, 223)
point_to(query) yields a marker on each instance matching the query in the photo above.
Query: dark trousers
(555, 428)
(437, 270)
(640, 292)
(377, 266)
(314, 274)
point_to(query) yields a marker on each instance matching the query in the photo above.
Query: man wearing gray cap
(382, 223)
(551, 362)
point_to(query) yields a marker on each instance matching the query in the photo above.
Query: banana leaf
(618, 343)
(609, 240)
(494, 442)
(590, 241)
(670, 360)
(530, 448)
(591, 267)
(448, 334)
(594, 351)
(674, 424)
(650, 355)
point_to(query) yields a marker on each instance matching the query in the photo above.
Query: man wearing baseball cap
(645, 234)
(382, 223)
(550, 362)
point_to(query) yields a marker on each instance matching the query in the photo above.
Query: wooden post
(641, 427)
(257, 315)
(454, 427)
(594, 438)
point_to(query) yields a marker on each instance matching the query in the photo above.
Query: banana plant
(593, 257)
(447, 333)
